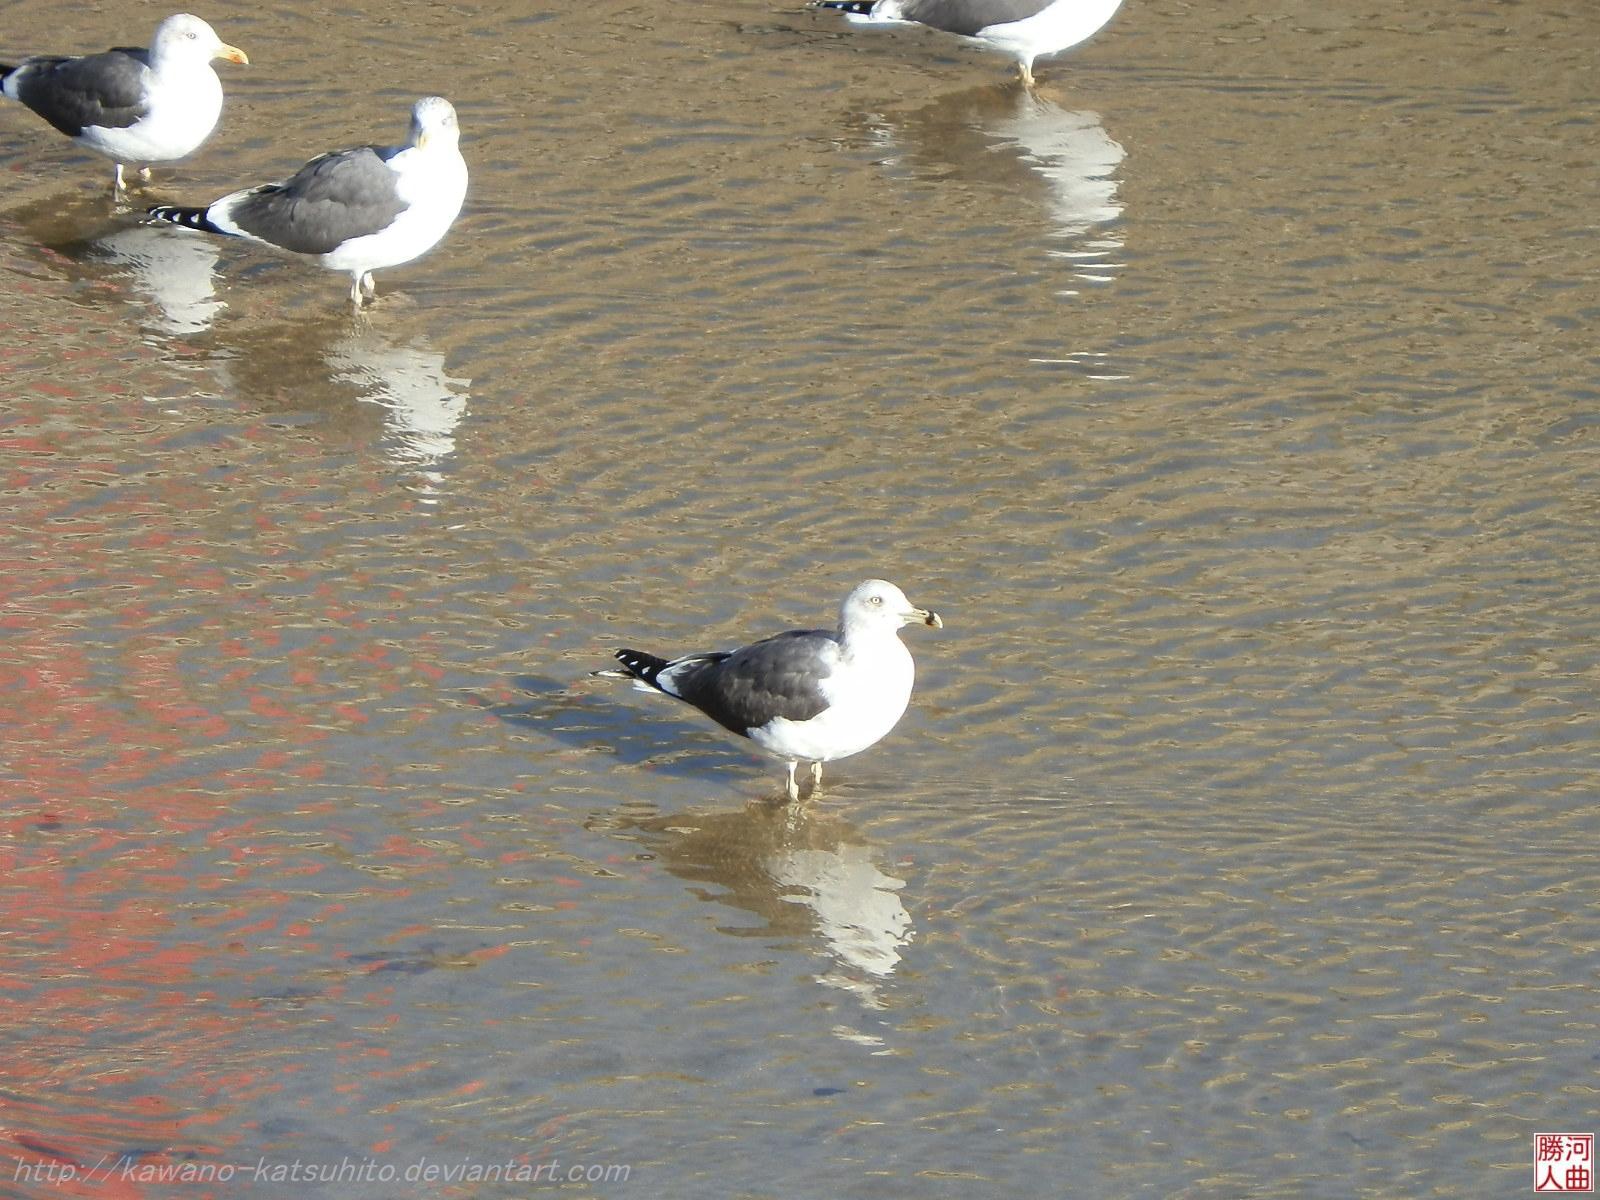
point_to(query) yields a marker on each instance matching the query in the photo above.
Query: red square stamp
(1563, 1162)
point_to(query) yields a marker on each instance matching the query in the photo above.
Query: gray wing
(777, 677)
(332, 199)
(107, 89)
(967, 17)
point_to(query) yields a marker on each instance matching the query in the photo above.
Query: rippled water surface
(1234, 401)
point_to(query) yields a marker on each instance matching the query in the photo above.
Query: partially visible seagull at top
(809, 695)
(131, 105)
(1024, 29)
(358, 210)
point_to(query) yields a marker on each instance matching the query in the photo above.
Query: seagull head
(878, 603)
(433, 123)
(187, 37)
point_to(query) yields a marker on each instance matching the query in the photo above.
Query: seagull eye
(874, 599)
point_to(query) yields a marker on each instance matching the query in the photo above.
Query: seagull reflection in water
(338, 370)
(178, 277)
(804, 874)
(76, 237)
(422, 402)
(1019, 141)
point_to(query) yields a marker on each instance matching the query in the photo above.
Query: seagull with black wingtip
(357, 210)
(1024, 29)
(808, 695)
(130, 104)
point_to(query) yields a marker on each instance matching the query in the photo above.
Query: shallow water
(1233, 401)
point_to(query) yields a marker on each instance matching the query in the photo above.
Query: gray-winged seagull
(131, 105)
(357, 210)
(1024, 29)
(809, 695)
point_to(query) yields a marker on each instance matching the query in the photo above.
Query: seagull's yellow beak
(233, 54)
(927, 616)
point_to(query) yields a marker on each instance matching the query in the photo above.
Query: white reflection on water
(422, 402)
(1077, 159)
(178, 275)
(1003, 137)
(80, 238)
(858, 911)
(343, 370)
(806, 875)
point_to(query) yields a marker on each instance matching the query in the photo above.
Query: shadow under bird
(130, 104)
(357, 210)
(808, 695)
(1024, 29)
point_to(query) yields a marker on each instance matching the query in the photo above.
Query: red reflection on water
(106, 1034)
(149, 956)
(115, 1051)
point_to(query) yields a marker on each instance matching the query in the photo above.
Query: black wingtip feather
(177, 214)
(862, 7)
(641, 665)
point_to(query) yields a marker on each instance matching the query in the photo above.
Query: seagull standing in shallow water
(1024, 29)
(354, 210)
(806, 695)
(131, 105)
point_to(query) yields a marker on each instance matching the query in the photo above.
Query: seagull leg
(790, 788)
(363, 288)
(118, 183)
(145, 174)
(1025, 70)
(816, 777)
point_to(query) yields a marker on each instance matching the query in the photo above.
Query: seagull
(809, 695)
(354, 210)
(131, 105)
(1024, 29)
